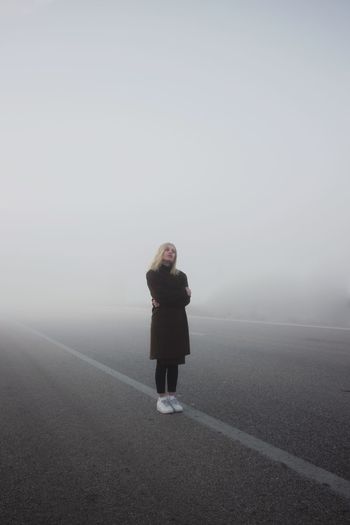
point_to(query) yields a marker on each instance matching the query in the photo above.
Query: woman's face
(169, 254)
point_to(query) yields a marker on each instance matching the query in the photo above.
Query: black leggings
(171, 373)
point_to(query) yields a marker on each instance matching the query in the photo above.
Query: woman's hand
(188, 291)
(155, 303)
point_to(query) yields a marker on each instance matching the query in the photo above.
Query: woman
(169, 328)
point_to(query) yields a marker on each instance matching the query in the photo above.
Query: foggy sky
(222, 127)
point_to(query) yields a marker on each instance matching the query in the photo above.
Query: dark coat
(169, 327)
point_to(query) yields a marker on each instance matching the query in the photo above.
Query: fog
(222, 127)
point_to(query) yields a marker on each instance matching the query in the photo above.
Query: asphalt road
(80, 445)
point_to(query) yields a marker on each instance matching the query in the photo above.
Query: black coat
(169, 327)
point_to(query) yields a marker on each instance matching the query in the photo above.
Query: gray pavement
(80, 446)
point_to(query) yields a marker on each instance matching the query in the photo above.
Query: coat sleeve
(167, 296)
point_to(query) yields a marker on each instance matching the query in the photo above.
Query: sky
(222, 127)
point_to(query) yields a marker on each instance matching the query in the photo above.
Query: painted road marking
(337, 484)
(271, 323)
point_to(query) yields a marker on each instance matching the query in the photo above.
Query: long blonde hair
(158, 258)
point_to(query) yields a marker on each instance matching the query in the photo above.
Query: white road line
(272, 323)
(335, 483)
(197, 333)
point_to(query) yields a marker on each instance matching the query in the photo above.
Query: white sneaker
(163, 406)
(175, 404)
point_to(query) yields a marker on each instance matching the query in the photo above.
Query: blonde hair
(158, 258)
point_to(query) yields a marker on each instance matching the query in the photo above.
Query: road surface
(264, 437)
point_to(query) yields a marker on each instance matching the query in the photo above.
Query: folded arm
(165, 295)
